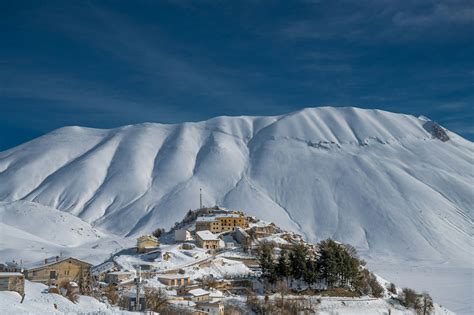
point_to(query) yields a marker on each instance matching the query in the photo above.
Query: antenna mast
(200, 198)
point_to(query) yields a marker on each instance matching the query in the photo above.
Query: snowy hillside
(38, 302)
(31, 232)
(375, 179)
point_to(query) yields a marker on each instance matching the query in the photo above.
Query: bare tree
(283, 290)
(425, 305)
(72, 291)
(392, 288)
(409, 297)
(156, 299)
(110, 293)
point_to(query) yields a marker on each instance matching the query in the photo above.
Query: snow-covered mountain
(378, 180)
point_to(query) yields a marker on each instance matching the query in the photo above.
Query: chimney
(45, 261)
(57, 258)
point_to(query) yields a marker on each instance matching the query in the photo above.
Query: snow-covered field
(178, 258)
(362, 306)
(38, 302)
(371, 178)
(452, 287)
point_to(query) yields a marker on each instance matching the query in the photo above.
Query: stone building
(55, 270)
(207, 240)
(174, 279)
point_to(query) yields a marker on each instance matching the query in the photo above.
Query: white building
(216, 308)
(182, 235)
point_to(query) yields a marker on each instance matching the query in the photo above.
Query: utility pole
(200, 198)
(138, 280)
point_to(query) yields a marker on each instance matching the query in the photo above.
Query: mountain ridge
(352, 174)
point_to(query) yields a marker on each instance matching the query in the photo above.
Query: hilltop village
(219, 261)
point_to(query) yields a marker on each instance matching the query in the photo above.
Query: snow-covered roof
(104, 267)
(11, 274)
(216, 294)
(206, 219)
(242, 231)
(198, 292)
(229, 215)
(207, 235)
(172, 276)
(213, 218)
(119, 273)
(51, 261)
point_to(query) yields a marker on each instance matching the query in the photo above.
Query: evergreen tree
(336, 265)
(283, 265)
(311, 271)
(266, 262)
(327, 262)
(298, 260)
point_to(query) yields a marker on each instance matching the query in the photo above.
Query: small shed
(12, 281)
(118, 276)
(198, 295)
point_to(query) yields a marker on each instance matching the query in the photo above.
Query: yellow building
(209, 224)
(221, 222)
(229, 222)
(55, 270)
(146, 243)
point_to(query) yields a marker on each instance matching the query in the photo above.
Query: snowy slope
(49, 224)
(31, 232)
(371, 178)
(36, 302)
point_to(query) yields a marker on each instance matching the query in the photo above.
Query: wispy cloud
(454, 12)
(375, 21)
(151, 55)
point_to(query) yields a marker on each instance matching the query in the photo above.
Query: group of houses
(214, 229)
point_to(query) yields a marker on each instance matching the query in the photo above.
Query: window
(52, 274)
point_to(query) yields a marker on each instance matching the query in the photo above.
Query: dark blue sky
(110, 63)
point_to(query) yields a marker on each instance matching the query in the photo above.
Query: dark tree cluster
(158, 232)
(334, 264)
